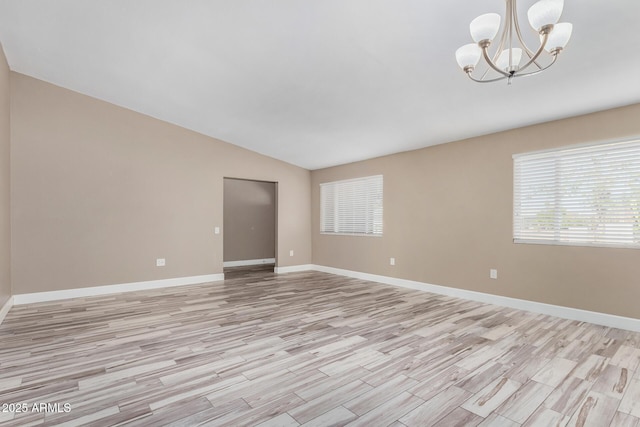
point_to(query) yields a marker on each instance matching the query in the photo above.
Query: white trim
(113, 289)
(5, 309)
(610, 320)
(356, 179)
(575, 243)
(245, 262)
(294, 268)
(575, 146)
(331, 233)
(604, 319)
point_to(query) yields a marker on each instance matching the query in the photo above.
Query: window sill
(585, 244)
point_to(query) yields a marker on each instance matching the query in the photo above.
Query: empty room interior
(388, 213)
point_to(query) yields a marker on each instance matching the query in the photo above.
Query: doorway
(250, 227)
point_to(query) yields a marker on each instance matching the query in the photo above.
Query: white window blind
(586, 195)
(352, 206)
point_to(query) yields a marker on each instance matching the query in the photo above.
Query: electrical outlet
(216, 230)
(291, 252)
(160, 262)
(392, 261)
(493, 273)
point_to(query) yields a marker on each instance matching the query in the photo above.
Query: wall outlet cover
(160, 262)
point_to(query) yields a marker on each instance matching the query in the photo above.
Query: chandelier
(505, 62)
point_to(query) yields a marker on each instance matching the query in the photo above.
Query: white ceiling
(317, 83)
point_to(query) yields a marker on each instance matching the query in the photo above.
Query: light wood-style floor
(311, 349)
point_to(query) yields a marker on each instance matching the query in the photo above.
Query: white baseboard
(5, 309)
(243, 263)
(294, 268)
(610, 320)
(113, 289)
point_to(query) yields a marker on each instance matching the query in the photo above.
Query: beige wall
(448, 220)
(100, 192)
(249, 220)
(5, 202)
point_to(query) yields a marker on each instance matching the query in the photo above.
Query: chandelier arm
(486, 81)
(485, 54)
(545, 37)
(538, 71)
(504, 35)
(528, 51)
(503, 41)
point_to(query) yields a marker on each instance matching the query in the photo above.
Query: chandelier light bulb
(559, 37)
(485, 27)
(545, 12)
(468, 55)
(503, 59)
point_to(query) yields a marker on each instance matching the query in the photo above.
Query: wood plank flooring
(310, 349)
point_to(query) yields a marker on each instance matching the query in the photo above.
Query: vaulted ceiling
(317, 83)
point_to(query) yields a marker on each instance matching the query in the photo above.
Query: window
(352, 206)
(585, 195)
